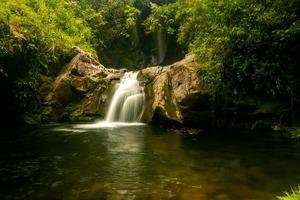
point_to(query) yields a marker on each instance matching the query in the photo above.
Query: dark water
(62, 162)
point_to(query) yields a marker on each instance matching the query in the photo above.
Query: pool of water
(67, 161)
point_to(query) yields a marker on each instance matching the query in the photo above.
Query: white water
(127, 105)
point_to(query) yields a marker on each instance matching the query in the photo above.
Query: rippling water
(141, 162)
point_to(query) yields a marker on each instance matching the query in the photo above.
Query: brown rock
(82, 84)
(172, 92)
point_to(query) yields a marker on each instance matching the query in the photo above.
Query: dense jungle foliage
(242, 47)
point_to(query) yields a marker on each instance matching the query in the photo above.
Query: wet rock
(114, 76)
(81, 90)
(147, 75)
(173, 92)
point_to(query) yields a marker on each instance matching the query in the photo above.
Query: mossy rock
(31, 118)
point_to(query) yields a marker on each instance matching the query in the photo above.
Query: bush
(36, 33)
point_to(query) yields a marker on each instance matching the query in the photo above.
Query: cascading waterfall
(126, 107)
(127, 104)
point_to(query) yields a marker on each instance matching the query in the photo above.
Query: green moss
(171, 104)
(47, 114)
(147, 116)
(110, 89)
(74, 112)
(31, 118)
(47, 110)
(270, 106)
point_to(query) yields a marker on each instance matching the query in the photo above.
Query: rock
(82, 89)
(83, 84)
(147, 75)
(114, 76)
(173, 92)
(85, 57)
(75, 51)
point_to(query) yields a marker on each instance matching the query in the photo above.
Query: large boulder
(175, 94)
(82, 89)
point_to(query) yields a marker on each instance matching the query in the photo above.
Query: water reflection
(141, 162)
(125, 152)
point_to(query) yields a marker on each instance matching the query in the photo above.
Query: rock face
(82, 90)
(175, 94)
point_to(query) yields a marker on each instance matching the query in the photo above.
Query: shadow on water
(67, 161)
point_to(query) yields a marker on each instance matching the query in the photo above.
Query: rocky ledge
(175, 94)
(83, 89)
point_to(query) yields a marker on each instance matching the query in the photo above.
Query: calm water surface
(141, 162)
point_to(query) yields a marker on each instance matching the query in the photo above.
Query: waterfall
(126, 107)
(127, 104)
(161, 45)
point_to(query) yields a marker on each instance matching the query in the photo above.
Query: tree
(247, 46)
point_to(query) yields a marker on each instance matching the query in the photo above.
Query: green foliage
(162, 16)
(249, 46)
(295, 134)
(38, 32)
(113, 20)
(293, 195)
(35, 36)
(114, 27)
